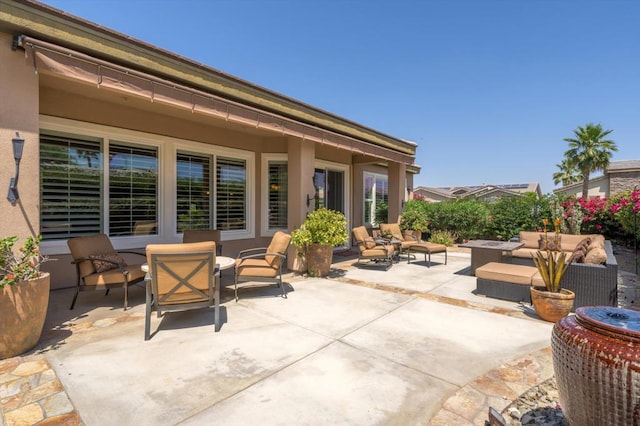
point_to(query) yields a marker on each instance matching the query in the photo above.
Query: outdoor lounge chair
(99, 266)
(411, 246)
(263, 264)
(182, 276)
(200, 235)
(378, 252)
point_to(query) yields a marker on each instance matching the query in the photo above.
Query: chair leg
(147, 315)
(235, 286)
(75, 297)
(216, 307)
(126, 294)
(284, 291)
(445, 257)
(429, 262)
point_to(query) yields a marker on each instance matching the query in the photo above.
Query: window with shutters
(193, 191)
(133, 190)
(231, 194)
(70, 187)
(376, 196)
(277, 195)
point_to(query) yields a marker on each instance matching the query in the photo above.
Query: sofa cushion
(570, 241)
(505, 272)
(529, 239)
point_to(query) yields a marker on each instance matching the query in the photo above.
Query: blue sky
(488, 89)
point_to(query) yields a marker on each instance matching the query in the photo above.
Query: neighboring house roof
(623, 166)
(56, 26)
(481, 190)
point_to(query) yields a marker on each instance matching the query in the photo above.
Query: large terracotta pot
(319, 259)
(596, 358)
(551, 306)
(23, 309)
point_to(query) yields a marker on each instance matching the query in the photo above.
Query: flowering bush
(625, 208)
(21, 266)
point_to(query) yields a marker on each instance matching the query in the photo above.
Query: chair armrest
(242, 252)
(263, 255)
(119, 265)
(132, 252)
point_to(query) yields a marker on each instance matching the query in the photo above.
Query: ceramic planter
(596, 359)
(551, 306)
(319, 259)
(23, 309)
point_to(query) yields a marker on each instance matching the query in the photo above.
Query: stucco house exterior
(483, 192)
(128, 139)
(620, 176)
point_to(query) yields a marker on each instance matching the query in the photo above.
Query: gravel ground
(540, 405)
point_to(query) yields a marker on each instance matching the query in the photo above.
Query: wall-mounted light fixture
(18, 145)
(308, 200)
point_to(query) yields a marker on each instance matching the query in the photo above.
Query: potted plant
(24, 296)
(322, 230)
(416, 222)
(552, 302)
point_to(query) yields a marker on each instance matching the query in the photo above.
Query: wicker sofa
(595, 284)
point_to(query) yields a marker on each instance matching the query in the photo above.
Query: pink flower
(615, 208)
(598, 227)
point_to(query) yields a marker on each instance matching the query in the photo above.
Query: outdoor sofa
(594, 278)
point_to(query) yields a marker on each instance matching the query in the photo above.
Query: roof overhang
(55, 26)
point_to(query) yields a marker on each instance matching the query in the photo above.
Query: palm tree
(589, 151)
(568, 173)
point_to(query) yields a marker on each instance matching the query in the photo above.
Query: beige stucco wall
(18, 112)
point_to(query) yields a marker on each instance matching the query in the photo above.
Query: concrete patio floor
(362, 347)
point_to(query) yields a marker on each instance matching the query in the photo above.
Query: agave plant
(552, 268)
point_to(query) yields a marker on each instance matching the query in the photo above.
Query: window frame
(167, 149)
(347, 190)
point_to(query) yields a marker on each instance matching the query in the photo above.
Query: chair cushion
(393, 229)
(255, 268)
(99, 261)
(83, 247)
(114, 276)
(379, 252)
(362, 237)
(279, 245)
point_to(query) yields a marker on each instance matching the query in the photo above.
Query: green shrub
(443, 237)
(510, 215)
(322, 226)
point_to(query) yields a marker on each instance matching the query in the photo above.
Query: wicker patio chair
(100, 267)
(263, 264)
(182, 276)
(377, 252)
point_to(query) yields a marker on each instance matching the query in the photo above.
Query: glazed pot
(596, 358)
(23, 309)
(552, 306)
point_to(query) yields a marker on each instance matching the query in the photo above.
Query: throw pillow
(596, 256)
(578, 254)
(100, 265)
(551, 243)
(584, 243)
(369, 243)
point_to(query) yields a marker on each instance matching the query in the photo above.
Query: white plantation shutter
(278, 193)
(133, 189)
(231, 193)
(70, 187)
(193, 188)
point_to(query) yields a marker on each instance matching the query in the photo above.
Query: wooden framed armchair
(411, 246)
(263, 264)
(181, 277)
(379, 252)
(100, 267)
(201, 235)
